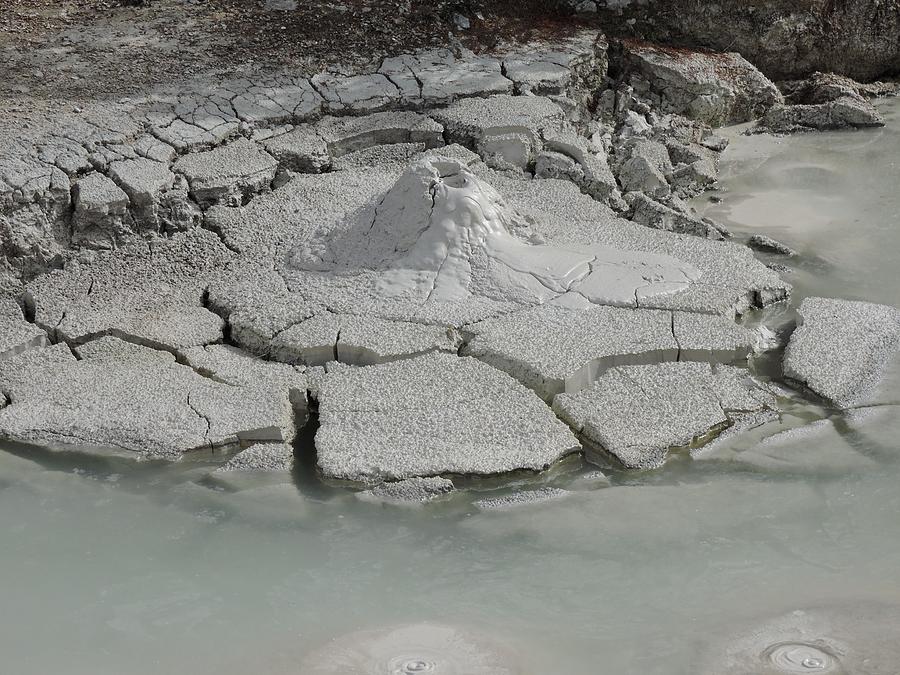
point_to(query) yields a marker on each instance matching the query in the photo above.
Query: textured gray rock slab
(118, 404)
(841, 348)
(439, 76)
(356, 93)
(151, 293)
(17, 334)
(298, 210)
(229, 174)
(762, 242)
(644, 166)
(716, 88)
(652, 213)
(553, 349)
(847, 111)
(409, 491)
(638, 413)
(521, 498)
(261, 457)
(233, 366)
(432, 415)
(359, 340)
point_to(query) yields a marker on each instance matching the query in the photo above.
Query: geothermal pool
(117, 567)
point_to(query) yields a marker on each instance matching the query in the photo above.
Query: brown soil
(90, 48)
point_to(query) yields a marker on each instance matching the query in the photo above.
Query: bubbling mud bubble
(415, 649)
(852, 639)
(797, 657)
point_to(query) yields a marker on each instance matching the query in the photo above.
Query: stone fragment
(432, 415)
(409, 491)
(645, 167)
(101, 208)
(841, 348)
(230, 174)
(638, 413)
(711, 87)
(359, 340)
(261, 457)
(119, 404)
(438, 77)
(652, 213)
(743, 423)
(521, 498)
(762, 242)
(847, 111)
(695, 166)
(587, 167)
(397, 155)
(150, 188)
(16, 334)
(301, 149)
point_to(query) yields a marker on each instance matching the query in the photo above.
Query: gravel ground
(92, 48)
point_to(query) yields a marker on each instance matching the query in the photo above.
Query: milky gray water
(116, 567)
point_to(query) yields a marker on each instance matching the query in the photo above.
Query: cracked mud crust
(434, 248)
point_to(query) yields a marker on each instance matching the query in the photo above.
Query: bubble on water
(840, 639)
(798, 657)
(415, 649)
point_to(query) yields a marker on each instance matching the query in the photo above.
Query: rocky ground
(453, 262)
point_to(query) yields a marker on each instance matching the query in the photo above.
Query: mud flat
(488, 217)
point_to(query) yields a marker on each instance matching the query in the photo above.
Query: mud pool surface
(140, 568)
